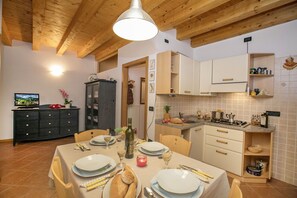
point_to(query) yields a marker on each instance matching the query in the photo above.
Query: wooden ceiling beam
(38, 9)
(110, 48)
(264, 20)
(5, 37)
(107, 34)
(83, 15)
(237, 12)
(186, 11)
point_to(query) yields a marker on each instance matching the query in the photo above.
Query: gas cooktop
(238, 123)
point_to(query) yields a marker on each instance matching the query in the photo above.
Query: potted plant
(166, 114)
(65, 95)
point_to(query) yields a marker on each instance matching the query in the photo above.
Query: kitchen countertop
(248, 129)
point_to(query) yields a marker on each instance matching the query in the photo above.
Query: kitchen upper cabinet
(230, 70)
(174, 74)
(205, 72)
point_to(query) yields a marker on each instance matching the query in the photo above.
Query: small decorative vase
(67, 106)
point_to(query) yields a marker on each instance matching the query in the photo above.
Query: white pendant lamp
(135, 24)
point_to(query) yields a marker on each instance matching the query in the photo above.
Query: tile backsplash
(285, 100)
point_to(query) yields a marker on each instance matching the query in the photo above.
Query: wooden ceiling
(85, 26)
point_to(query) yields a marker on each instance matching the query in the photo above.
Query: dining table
(69, 154)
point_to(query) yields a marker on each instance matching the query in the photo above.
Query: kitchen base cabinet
(196, 136)
(44, 123)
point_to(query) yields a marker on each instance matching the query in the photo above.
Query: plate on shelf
(107, 188)
(92, 162)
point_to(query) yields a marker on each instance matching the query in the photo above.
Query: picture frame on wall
(151, 75)
(142, 90)
(151, 87)
(152, 64)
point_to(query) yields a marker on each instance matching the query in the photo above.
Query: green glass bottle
(129, 141)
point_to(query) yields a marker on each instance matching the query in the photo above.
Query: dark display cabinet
(100, 104)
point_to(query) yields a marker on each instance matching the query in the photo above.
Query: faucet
(181, 115)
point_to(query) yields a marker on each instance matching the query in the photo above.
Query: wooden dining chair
(176, 144)
(235, 191)
(89, 134)
(63, 190)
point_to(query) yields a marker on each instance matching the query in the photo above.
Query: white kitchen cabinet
(197, 139)
(230, 70)
(186, 66)
(224, 148)
(205, 74)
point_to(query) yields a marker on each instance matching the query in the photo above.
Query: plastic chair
(176, 144)
(235, 191)
(89, 134)
(63, 190)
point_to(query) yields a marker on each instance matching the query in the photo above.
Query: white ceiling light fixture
(135, 24)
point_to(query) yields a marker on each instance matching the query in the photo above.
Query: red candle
(141, 160)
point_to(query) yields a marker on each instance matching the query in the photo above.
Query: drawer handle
(49, 123)
(27, 116)
(228, 79)
(27, 125)
(222, 131)
(69, 114)
(223, 142)
(49, 115)
(49, 132)
(204, 92)
(27, 133)
(69, 122)
(187, 91)
(68, 129)
(221, 152)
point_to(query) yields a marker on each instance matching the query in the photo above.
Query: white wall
(24, 70)
(279, 39)
(136, 50)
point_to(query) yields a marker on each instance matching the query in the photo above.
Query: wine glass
(107, 139)
(121, 153)
(167, 157)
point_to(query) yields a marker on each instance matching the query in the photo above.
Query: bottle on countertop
(264, 120)
(129, 141)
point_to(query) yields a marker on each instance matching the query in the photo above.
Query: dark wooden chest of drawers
(42, 124)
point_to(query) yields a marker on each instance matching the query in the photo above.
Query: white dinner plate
(163, 193)
(177, 181)
(92, 162)
(153, 153)
(152, 146)
(107, 188)
(108, 168)
(112, 141)
(100, 138)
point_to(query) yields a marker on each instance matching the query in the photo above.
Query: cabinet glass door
(89, 107)
(95, 104)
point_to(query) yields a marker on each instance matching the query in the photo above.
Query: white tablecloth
(217, 187)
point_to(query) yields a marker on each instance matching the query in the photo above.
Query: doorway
(142, 89)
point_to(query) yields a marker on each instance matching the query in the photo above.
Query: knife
(199, 171)
(200, 176)
(80, 147)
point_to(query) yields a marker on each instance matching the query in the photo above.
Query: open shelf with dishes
(258, 157)
(261, 75)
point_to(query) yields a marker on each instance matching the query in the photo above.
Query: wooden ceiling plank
(264, 20)
(83, 15)
(38, 8)
(186, 11)
(109, 48)
(237, 12)
(6, 38)
(102, 37)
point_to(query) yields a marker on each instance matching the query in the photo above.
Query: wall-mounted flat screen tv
(26, 99)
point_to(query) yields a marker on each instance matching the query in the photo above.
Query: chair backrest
(235, 191)
(176, 144)
(89, 134)
(63, 190)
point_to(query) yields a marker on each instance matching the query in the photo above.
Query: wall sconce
(56, 70)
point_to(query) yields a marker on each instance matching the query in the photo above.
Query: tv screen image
(26, 99)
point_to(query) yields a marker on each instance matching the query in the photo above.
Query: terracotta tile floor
(24, 169)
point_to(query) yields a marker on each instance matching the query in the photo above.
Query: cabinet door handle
(27, 133)
(49, 115)
(198, 129)
(187, 91)
(49, 132)
(228, 79)
(223, 142)
(221, 152)
(27, 125)
(27, 116)
(222, 131)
